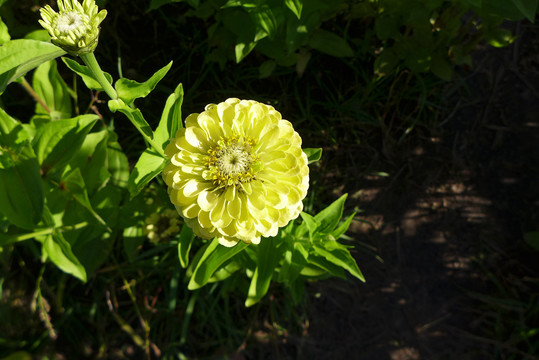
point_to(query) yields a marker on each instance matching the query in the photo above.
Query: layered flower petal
(237, 172)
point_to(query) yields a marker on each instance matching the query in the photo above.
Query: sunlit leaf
(330, 216)
(171, 118)
(51, 88)
(148, 166)
(55, 143)
(17, 57)
(60, 253)
(86, 74)
(269, 254)
(130, 90)
(184, 245)
(313, 154)
(213, 257)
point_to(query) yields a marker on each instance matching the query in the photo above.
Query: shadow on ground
(452, 213)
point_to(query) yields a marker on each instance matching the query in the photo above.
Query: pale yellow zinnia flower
(75, 27)
(237, 172)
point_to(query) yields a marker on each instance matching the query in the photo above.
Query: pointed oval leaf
(214, 256)
(60, 253)
(148, 166)
(171, 118)
(17, 57)
(86, 74)
(57, 142)
(129, 90)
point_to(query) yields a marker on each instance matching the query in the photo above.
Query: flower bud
(75, 27)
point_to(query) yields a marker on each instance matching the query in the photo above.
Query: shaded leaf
(330, 43)
(21, 190)
(74, 184)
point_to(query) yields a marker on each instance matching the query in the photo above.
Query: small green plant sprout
(75, 28)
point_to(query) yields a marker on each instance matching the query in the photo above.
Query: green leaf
(266, 68)
(499, 37)
(4, 33)
(92, 159)
(59, 251)
(184, 245)
(133, 238)
(12, 132)
(40, 35)
(17, 57)
(386, 26)
(265, 19)
(339, 255)
(214, 256)
(295, 6)
(313, 154)
(269, 254)
(441, 67)
(385, 62)
(148, 166)
(321, 267)
(512, 10)
(528, 8)
(532, 239)
(118, 165)
(330, 43)
(129, 90)
(243, 49)
(476, 3)
(55, 143)
(311, 223)
(330, 216)
(51, 88)
(21, 190)
(338, 232)
(135, 116)
(294, 260)
(86, 74)
(74, 184)
(171, 118)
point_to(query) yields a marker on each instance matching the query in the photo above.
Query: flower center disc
(230, 162)
(69, 21)
(233, 160)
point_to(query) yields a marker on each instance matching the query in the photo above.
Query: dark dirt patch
(452, 213)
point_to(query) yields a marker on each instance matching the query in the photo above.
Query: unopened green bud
(75, 27)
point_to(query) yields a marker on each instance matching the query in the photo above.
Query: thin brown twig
(32, 93)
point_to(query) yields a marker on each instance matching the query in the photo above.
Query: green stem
(90, 61)
(48, 231)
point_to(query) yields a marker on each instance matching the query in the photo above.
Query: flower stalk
(90, 61)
